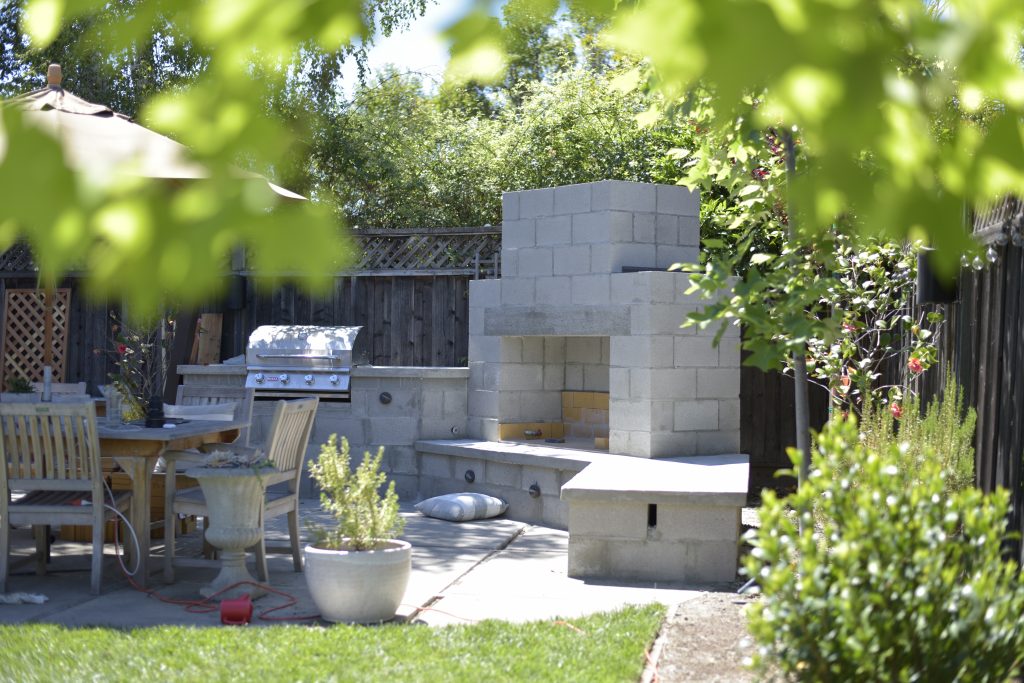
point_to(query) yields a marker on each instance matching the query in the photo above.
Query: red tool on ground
(237, 612)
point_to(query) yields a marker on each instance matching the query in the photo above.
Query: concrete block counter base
(670, 520)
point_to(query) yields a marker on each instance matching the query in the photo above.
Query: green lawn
(602, 647)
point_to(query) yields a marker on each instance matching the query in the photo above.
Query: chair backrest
(49, 447)
(191, 395)
(78, 388)
(288, 437)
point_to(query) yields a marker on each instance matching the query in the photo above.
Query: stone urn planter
(233, 498)
(356, 572)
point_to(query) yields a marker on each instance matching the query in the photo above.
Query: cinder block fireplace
(579, 341)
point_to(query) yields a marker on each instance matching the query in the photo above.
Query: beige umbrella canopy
(97, 140)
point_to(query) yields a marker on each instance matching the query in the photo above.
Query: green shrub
(365, 517)
(945, 432)
(898, 582)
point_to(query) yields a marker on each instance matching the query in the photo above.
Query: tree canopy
(863, 84)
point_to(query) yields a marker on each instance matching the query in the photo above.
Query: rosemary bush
(366, 519)
(898, 581)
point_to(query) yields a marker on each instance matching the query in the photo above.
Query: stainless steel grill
(290, 361)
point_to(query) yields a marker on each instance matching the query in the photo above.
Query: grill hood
(303, 360)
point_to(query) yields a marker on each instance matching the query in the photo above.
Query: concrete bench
(672, 520)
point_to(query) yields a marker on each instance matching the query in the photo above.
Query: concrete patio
(462, 573)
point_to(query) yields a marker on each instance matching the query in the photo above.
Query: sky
(421, 48)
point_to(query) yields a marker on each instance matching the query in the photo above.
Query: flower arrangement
(140, 355)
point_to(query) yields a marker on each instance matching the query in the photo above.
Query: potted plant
(19, 390)
(357, 571)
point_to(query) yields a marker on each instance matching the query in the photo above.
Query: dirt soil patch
(706, 639)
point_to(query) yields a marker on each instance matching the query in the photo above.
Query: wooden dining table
(136, 450)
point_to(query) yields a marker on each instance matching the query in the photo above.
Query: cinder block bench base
(669, 520)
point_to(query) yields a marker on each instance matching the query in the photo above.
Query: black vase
(155, 412)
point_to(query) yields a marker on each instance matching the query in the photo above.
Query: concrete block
(670, 444)
(554, 377)
(661, 351)
(661, 287)
(511, 349)
(729, 414)
(401, 431)
(522, 377)
(676, 383)
(692, 562)
(712, 443)
(508, 406)
(620, 225)
(351, 428)
(533, 349)
(718, 383)
(606, 350)
(628, 288)
(554, 349)
(435, 465)
(591, 290)
(476, 321)
(639, 382)
(601, 258)
(537, 203)
(666, 230)
(631, 352)
(404, 403)
(483, 403)
(659, 319)
(573, 377)
(572, 198)
(699, 523)
(729, 353)
(629, 415)
(573, 260)
(463, 465)
(692, 416)
(503, 474)
(583, 350)
(595, 378)
(545, 477)
(534, 262)
(633, 256)
(556, 321)
(509, 206)
(618, 441)
(401, 460)
(442, 428)
(689, 231)
(590, 228)
(620, 195)
(484, 349)
(694, 352)
(644, 228)
(509, 262)
(554, 230)
(516, 292)
(432, 404)
(553, 291)
(668, 256)
(678, 200)
(518, 234)
(607, 519)
(456, 404)
(555, 512)
(484, 293)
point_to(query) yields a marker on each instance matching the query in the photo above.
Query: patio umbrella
(97, 140)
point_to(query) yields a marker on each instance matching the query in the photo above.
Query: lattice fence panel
(24, 339)
(17, 259)
(428, 250)
(1001, 221)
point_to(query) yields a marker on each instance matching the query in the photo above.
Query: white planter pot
(358, 586)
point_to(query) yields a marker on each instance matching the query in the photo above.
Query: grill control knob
(284, 378)
(259, 378)
(308, 379)
(333, 379)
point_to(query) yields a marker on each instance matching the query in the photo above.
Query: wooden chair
(51, 455)
(198, 402)
(285, 447)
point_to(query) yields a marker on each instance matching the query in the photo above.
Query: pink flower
(915, 365)
(896, 410)
(122, 349)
